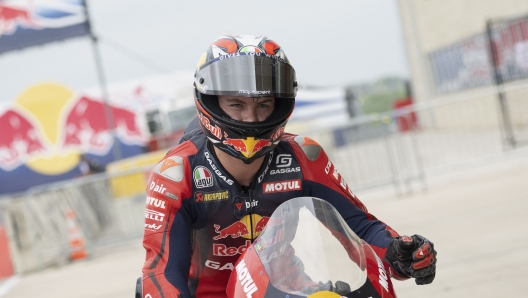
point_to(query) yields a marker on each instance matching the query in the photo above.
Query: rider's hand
(412, 256)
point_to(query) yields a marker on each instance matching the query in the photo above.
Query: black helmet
(249, 66)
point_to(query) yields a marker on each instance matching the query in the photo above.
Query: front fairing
(308, 250)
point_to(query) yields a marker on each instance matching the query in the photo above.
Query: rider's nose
(251, 115)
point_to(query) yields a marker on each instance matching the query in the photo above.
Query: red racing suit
(198, 219)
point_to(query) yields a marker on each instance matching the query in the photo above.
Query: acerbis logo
(284, 160)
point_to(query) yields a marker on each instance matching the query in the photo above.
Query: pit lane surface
(477, 219)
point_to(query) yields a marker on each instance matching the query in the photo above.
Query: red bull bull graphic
(242, 228)
(248, 147)
(88, 130)
(49, 129)
(25, 23)
(18, 140)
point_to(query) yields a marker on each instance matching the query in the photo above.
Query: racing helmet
(248, 66)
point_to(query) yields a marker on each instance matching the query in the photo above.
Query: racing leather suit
(198, 219)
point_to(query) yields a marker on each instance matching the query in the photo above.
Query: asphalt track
(477, 219)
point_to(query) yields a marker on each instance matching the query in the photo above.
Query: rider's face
(247, 109)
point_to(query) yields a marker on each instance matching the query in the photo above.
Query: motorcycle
(308, 250)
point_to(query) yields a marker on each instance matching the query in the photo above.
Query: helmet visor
(254, 75)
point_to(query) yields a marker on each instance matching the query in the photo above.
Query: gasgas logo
(216, 170)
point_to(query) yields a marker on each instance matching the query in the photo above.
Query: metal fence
(398, 148)
(107, 209)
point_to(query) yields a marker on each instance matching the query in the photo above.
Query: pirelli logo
(282, 186)
(204, 197)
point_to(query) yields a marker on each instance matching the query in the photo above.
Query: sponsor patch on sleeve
(171, 168)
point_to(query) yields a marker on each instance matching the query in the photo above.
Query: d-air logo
(204, 197)
(157, 188)
(171, 168)
(156, 202)
(282, 186)
(245, 279)
(202, 177)
(154, 215)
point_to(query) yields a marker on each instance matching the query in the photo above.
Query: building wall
(429, 25)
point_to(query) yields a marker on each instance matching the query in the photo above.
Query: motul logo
(245, 279)
(383, 278)
(156, 202)
(282, 186)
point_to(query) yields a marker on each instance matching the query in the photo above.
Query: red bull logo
(49, 127)
(19, 139)
(13, 16)
(249, 146)
(243, 227)
(40, 14)
(87, 126)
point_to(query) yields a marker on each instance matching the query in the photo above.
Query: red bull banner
(25, 23)
(50, 132)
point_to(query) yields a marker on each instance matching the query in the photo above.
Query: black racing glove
(412, 256)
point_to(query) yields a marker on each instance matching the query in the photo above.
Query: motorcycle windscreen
(307, 247)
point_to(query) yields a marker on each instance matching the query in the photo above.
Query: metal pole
(499, 83)
(109, 116)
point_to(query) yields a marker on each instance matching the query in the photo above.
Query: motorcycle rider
(212, 195)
